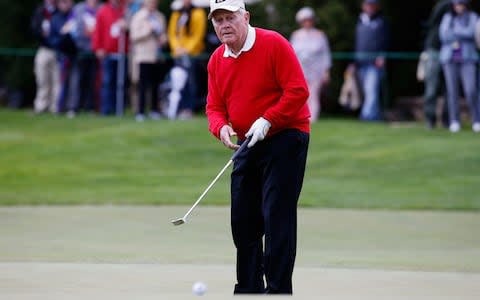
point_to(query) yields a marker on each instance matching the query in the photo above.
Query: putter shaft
(206, 190)
(181, 221)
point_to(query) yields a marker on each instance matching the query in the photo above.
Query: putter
(183, 220)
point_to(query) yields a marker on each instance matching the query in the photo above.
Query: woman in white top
(313, 50)
(148, 35)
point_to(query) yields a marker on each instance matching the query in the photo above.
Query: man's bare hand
(380, 62)
(122, 24)
(100, 53)
(326, 79)
(180, 51)
(226, 134)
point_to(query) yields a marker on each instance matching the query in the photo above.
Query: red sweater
(102, 38)
(265, 81)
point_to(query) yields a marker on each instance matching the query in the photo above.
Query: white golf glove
(258, 131)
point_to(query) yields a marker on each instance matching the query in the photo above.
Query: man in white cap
(257, 90)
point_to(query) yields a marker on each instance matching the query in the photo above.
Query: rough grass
(92, 160)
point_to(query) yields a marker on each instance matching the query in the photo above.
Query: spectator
(434, 85)
(371, 40)
(186, 34)
(110, 43)
(133, 6)
(256, 88)
(84, 66)
(459, 59)
(47, 73)
(148, 35)
(62, 27)
(313, 50)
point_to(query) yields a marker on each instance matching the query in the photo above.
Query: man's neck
(236, 49)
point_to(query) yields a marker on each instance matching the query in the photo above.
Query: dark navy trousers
(266, 184)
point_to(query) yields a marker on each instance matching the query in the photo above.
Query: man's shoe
(454, 127)
(430, 125)
(476, 127)
(185, 115)
(71, 114)
(140, 118)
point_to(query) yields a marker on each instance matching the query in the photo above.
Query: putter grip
(242, 147)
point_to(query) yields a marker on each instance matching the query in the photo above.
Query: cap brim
(226, 7)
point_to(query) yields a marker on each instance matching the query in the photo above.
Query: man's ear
(247, 16)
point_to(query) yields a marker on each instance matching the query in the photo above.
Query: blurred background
(80, 188)
(337, 18)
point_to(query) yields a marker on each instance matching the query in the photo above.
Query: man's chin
(228, 38)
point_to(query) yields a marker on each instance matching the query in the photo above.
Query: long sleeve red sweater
(266, 81)
(102, 38)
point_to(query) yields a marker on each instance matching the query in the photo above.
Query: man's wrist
(268, 124)
(221, 129)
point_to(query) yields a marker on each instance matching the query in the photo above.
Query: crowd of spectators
(450, 61)
(100, 57)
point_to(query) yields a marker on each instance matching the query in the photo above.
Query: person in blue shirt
(60, 38)
(84, 65)
(459, 58)
(371, 43)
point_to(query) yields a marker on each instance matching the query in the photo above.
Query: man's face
(151, 5)
(307, 23)
(231, 27)
(65, 5)
(459, 8)
(370, 8)
(92, 3)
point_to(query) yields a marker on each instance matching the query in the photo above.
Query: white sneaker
(140, 118)
(185, 115)
(71, 114)
(476, 127)
(454, 127)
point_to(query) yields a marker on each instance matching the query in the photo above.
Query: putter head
(178, 222)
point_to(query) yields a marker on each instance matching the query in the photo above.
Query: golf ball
(199, 288)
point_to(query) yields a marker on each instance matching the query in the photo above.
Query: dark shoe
(431, 123)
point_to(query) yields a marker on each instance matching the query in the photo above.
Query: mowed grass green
(92, 160)
(442, 241)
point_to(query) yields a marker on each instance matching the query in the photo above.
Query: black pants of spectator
(266, 184)
(82, 83)
(151, 74)
(65, 63)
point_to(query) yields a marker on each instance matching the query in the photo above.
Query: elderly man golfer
(256, 89)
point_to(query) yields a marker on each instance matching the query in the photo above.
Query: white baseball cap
(306, 13)
(230, 5)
